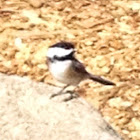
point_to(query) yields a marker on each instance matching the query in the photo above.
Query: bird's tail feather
(101, 80)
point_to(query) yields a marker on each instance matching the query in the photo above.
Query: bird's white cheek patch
(58, 52)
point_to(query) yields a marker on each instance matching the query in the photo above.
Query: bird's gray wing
(79, 67)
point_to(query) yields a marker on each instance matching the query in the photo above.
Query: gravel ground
(107, 37)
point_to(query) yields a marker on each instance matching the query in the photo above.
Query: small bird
(66, 69)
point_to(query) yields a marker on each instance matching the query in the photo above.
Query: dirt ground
(107, 37)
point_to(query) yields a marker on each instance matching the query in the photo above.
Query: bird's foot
(72, 95)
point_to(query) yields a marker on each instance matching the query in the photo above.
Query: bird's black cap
(63, 44)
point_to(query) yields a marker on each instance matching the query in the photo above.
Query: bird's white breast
(60, 70)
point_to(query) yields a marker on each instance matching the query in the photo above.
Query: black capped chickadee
(65, 68)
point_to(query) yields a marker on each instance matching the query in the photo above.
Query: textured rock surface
(27, 113)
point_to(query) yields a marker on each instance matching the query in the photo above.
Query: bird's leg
(72, 94)
(60, 92)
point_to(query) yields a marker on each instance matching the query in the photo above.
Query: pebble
(88, 43)
(36, 3)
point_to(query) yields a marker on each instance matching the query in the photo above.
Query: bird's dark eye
(55, 57)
